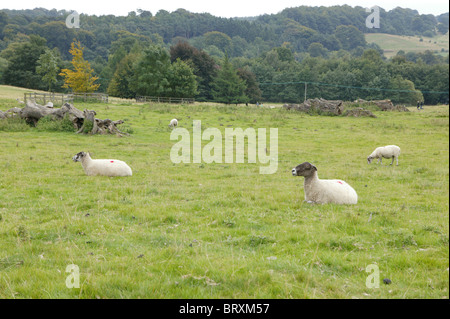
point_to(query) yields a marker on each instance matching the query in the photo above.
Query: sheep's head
(369, 159)
(79, 156)
(305, 169)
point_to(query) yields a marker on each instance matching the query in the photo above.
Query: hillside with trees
(270, 57)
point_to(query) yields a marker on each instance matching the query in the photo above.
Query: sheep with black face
(324, 191)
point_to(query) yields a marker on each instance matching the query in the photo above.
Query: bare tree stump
(88, 122)
(109, 126)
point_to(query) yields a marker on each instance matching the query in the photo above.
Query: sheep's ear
(315, 168)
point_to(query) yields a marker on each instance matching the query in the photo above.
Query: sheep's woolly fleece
(103, 167)
(324, 191)
(389, 151)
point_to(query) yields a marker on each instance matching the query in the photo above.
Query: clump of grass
(255, 241)
(365, 105)
(315, 111)
(47, 123)
(126, 128)
(87, 127)
(14, 124)
(22, 233)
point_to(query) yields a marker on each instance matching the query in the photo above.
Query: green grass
(223, 230)
(14, 92)
(391, 44)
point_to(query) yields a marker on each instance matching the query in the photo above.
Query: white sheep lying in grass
(103, 167)
(390, 151)
(324, 191)
(173, 123)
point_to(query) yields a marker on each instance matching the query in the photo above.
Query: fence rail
(44, 98)
(61, 98)
(100, 97)
(156, 99)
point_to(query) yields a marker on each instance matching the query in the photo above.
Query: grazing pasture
(220, 230)
(391, 43)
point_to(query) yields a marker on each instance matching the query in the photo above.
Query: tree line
(300, 26)
(267, 58)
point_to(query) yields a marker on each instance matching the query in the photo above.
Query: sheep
(103, 167)
(324, 191)
(389, 151)
(173, 123)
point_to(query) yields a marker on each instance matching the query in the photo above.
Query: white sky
(219, 8)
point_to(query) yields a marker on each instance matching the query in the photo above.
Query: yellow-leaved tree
(80, 80)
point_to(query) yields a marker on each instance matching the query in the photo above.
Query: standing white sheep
(324, 191)
(103, 167)
(173, 123)
(389, 151)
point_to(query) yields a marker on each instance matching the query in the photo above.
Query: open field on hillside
(220, 230)
(391, 44)
(8, 92)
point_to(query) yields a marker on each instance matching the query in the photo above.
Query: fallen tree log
(83, 121)
(385, 105)
(321, 106)
(33, 112)
(336, 107)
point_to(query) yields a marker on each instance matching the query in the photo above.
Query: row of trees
(345, 78)
(182, 54)
(33, 65)
(150, 71)
(337, 27)
(277, 76)
(185, 71)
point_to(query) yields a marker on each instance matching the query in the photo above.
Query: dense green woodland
(241, 60)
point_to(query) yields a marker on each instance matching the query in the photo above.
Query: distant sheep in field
(389, 151)
(103, 167)
(173, 123)
(324, 191)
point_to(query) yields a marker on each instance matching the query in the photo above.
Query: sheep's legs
(394, 158)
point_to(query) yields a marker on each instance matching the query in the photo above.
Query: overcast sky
(220, 8)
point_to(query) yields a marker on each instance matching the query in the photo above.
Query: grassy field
(9, 94)
(223, 230)
(391, 44)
